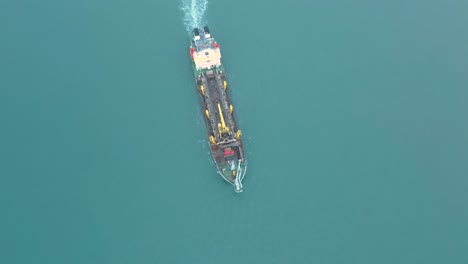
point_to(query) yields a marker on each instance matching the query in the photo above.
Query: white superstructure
(207, 58)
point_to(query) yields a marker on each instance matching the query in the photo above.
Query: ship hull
(223, 133)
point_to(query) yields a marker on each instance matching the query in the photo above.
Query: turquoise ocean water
(354, 116)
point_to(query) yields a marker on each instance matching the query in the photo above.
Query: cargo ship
(223, 133)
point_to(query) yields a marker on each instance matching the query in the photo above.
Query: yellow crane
(202, 89)
(222, 127)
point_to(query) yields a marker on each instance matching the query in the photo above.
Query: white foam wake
(194, 13)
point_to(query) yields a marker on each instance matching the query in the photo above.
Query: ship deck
(215, 93)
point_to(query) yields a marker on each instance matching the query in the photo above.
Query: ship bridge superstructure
(205, 51)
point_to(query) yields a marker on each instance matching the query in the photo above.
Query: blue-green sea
(354, 117)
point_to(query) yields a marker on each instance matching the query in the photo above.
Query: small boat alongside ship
(223, 133)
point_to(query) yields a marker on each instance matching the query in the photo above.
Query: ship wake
(194, 13)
